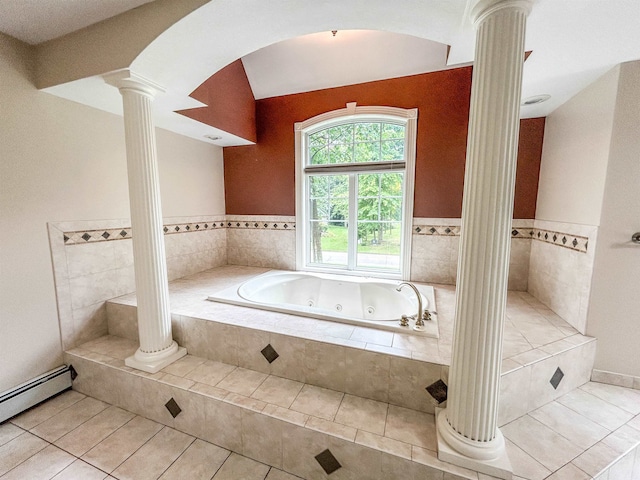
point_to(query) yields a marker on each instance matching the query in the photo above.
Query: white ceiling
(36, 21)
(322, 60)
(573, 43)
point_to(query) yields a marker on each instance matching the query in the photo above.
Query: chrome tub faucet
(422, 314)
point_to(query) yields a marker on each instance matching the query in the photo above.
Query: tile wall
(261, 241)
(93, 262)
(560, 269)
(435, 244)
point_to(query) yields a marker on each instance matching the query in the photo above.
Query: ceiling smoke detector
(535, 100)
(213, 137)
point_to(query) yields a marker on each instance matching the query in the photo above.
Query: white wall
(614, 309)
(574, 155)
(590, 186)
(191, 176)
(63, 161)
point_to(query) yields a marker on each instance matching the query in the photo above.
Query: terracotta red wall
(260, 179)
(230, 103)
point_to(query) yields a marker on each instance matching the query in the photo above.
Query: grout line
(182, 453)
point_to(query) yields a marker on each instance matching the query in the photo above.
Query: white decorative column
(157, 348)
(467, 429)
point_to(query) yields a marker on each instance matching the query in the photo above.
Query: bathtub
(353, 300)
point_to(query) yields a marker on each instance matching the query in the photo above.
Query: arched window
(354, 191)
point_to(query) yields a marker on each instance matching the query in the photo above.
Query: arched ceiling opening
(571, 46)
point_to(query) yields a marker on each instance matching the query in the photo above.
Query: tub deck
(532, 330)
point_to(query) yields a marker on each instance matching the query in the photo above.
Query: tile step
(374, 372)
(287, 424)
(369, 439)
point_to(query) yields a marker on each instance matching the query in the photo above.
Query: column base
(154, 362)
(485, 457)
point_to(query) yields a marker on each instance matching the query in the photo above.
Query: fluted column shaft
(157, 347)
(469, 423)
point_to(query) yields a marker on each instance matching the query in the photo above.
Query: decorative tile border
(260, 225)
(172, 229)
(93, 236)
(436, 230)
(572, 242)
(106, 235)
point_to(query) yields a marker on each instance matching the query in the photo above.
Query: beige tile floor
(587, 429)
(75, 437)
(578, 437)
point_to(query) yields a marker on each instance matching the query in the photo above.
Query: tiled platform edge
(529, 380)
(278, 436)
(287, 424)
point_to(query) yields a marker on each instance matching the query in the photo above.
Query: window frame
(353, 113)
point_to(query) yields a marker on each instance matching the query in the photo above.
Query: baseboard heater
(34, 391)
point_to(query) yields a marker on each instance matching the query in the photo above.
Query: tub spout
(420, 316)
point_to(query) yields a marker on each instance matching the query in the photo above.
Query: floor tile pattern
(113, 444)
(563, 440)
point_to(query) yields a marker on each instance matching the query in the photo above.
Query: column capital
(126, 79)
(481, 9)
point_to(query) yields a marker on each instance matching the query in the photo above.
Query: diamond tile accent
(572, 242)
(448, 230)
(173, 407)
(328, 462)
(556, 378)
(269, 353)
(105, 235)
(86, 237)
(438, 390)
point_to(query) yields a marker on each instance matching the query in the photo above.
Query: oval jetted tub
(354, 300)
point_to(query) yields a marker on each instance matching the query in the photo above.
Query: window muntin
(373, 199)
(358, 142)
(345, 144)
(379, 216)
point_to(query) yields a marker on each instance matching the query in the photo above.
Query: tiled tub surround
(93, 262)
(560, 273)
(261, 241)
(378, 365)
(435, 245)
